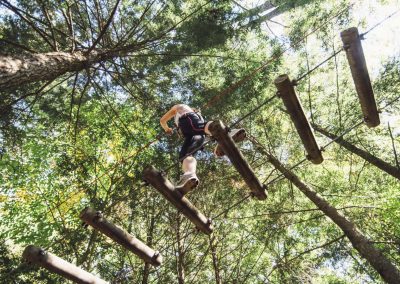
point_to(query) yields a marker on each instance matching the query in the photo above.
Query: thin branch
(394, 147)
(129, 33)
(48, 18)
(279, 264)
(18, 45)
(103, 31)
(79, 107)
(42, 34)
(28, 15)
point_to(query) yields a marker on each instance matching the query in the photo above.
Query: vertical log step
(296, 112)
(97, 221)
(355, 56)
(220, 132)
(53, 263)
(166, 188)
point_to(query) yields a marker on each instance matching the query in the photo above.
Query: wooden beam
(220, 132)
(296, 112)
(166, 188)
(96, 220)
(53, 263)
(355, 56)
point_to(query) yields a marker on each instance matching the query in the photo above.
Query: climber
(193, 128)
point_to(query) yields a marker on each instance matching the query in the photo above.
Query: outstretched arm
(163, 120)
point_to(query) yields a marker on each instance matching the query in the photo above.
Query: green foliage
(84, 138)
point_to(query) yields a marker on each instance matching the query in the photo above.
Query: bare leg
(189, 179)
(206, 128)
(189, 165)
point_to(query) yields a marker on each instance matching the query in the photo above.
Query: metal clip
(98, 216)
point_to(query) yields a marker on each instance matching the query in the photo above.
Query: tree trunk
(384, 166)
(150, 236)
(215, 260)
(181, 252)
(273, 13)
(374, 257)
(250, 13)
(18, 70)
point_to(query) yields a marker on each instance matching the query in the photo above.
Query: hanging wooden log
(355, 56)
(296, 112)
(166, 188)
(53, 263)
(220, 132)
(96, 220)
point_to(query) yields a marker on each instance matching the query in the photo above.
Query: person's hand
(169, 131)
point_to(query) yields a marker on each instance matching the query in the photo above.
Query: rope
(280, 176)
(316, 67)
(252, 111)
(231, 207)
(341, 136)
(275, 57)
(379, 23)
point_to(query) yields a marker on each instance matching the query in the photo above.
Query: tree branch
(103, 31)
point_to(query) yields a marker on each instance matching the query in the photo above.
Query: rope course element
(295, 81)
(378, 24)
(231, 207)
(239, 83)
(231, 89)
(323, 148)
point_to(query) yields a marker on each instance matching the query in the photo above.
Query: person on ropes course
(193, 128)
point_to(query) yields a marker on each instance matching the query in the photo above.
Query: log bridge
(293, 106)
(220, 132)
(355, 56)
(53, 263)
(155, 178)
(97, 221)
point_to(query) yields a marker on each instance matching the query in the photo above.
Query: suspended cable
(231, 207)
(316, 67)
(252, 111)
(275, 57)
(341, 136)
(280, 176)
(379, 23)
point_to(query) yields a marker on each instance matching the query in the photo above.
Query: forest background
(84, 83)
